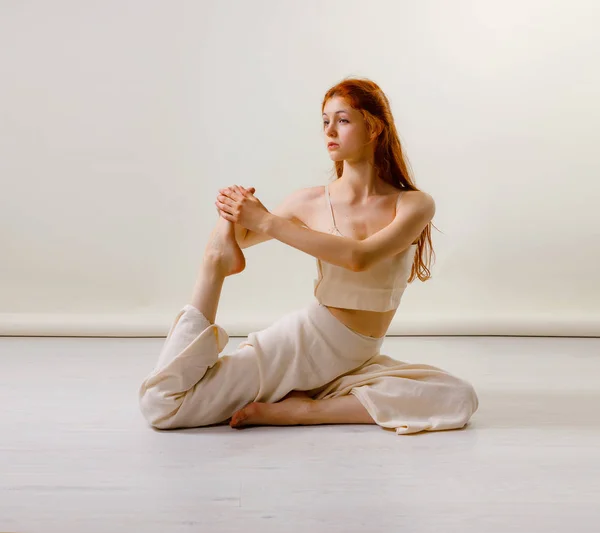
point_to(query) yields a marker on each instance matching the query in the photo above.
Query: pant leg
(192, 386)
(409, 398)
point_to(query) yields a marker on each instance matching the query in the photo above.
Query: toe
(236, 419)
(245, 416)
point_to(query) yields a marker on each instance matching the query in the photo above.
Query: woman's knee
(467, 397)
(159, 411)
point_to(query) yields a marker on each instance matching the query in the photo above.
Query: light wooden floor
(76, 455)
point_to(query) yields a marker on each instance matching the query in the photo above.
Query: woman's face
(345, 127)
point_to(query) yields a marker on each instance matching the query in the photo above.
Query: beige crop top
(379, 288)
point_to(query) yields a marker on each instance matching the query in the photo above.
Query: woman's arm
(240, 233)
(289, 209)
(246, 210)
(252, 238)
(417, 210)
(337, 250)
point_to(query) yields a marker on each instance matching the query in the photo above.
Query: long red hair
(391, 164)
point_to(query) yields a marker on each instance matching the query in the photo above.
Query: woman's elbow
(359, 260)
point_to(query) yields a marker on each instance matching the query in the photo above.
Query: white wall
(120, 120)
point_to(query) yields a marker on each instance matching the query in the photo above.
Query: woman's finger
(229, 200)
(235, 195)
(225, 208)
(226, 190)
(226, 216)
(231, 193)
(226, 200)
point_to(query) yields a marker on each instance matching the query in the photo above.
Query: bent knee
(467, 398)
(159, 411)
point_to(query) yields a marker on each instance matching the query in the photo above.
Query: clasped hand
(239, 205)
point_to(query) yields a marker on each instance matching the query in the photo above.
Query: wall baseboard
(157, 325)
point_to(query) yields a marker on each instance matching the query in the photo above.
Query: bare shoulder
(307, 194)
(418, 201)
(296, 206)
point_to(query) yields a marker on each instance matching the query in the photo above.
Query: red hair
(390, 163)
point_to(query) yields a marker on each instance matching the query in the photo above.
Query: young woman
(368, 231)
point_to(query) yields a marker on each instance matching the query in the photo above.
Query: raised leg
(191, 386)
(183, 389)
(222, 257)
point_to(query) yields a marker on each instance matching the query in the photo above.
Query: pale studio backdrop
(121, 119)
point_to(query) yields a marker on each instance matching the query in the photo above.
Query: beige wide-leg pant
(307, 350)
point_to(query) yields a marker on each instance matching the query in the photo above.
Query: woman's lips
(333, 146)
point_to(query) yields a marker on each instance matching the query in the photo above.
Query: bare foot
(292, 410)
(223, 250)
